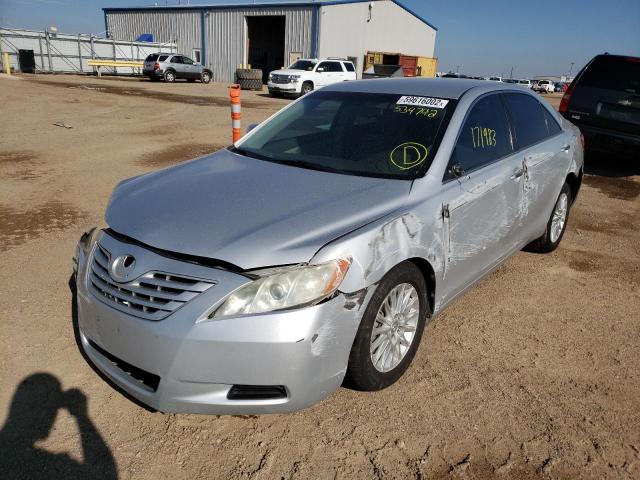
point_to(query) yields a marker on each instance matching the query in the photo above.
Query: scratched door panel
(484, 222)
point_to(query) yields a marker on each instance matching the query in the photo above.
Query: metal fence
(64, 53)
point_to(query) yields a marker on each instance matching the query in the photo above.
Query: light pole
(457, 68)
(571, 69)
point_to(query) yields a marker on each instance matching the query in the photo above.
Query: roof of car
(452, 88)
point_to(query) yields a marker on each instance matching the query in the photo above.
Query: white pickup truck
(308, 74)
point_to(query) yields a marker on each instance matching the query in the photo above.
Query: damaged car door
(483, 189)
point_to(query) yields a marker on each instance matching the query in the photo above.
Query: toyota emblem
(122, 268)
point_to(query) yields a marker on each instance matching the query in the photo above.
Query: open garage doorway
(265, 43)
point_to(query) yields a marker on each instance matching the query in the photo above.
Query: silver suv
(170, 67)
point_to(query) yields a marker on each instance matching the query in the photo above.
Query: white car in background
(544, 86)
(524, 83)
(494, 79)
(305, 75)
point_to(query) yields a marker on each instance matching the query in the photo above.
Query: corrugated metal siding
(226, 33)
(179, 26)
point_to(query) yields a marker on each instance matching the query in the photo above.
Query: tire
(553, 234)
(362, 372)
(250, 84)
(170, 76)
(248, 74)
(205, 77)
(307, 87)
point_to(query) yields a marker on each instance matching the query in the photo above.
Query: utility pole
(571, 69)
(511, 74)
(457, 68)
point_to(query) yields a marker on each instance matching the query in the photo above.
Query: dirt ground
(532, 374)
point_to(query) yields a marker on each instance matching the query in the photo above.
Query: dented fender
(378, 247)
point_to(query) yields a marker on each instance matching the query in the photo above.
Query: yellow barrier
(7, 65)
(113, 63)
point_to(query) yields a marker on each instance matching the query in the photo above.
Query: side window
(162, 58)
(335, 67)
(349, 67)
(484, 137)
(176, 59)
(324, 66)
(527, 119)
(187, 61)
(552, 124)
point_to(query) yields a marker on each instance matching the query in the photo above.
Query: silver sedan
(255, 279)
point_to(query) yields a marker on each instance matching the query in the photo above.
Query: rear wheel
(556, 225)
(169, 76)
(390, 330)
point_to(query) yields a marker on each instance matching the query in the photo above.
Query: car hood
(287, 71)
(248, 212)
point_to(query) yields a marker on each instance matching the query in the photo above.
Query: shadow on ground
(32, 414)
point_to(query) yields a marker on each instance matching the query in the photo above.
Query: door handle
(566, 148)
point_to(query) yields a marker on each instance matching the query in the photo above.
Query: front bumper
(284, 88)
(197, 360)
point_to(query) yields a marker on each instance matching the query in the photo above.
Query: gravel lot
(532, 374)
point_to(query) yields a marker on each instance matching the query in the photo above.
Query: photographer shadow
(32, 414)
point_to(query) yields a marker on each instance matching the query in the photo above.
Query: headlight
(294, 78)
(271, 77)
(293, 287)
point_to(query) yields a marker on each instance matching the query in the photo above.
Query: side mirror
(252, 126)
(456, 170)
(320, 69)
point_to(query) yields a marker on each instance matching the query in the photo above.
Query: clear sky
(482, 37)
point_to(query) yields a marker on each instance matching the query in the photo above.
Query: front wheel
(390, 330)
(206, 77)
(307, 87)
(556, 225)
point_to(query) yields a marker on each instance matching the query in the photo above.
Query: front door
(483, 193)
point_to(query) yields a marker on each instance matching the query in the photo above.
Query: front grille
(282, 79)
(152, 296)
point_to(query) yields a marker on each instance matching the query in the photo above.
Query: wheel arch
(429, 275)
(574, 181)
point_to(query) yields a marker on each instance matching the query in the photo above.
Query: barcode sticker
(422, 101)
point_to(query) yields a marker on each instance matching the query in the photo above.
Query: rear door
(481, 202)
(546, 151)
(178, 66)
(350, 71)
(607, 94)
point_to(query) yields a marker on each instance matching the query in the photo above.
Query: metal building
(271, 35)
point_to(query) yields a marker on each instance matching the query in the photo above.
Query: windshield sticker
(483, 137)
(417, 111)
(422, 101)
(408, 155)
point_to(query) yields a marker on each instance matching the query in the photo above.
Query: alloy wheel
(394, 327)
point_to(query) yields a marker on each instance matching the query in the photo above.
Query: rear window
(152, 58)
(163, 58)
(349, 67)
(527, 119)
(613, 73)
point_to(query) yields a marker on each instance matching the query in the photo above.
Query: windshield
(369, 134)
(306, 65)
